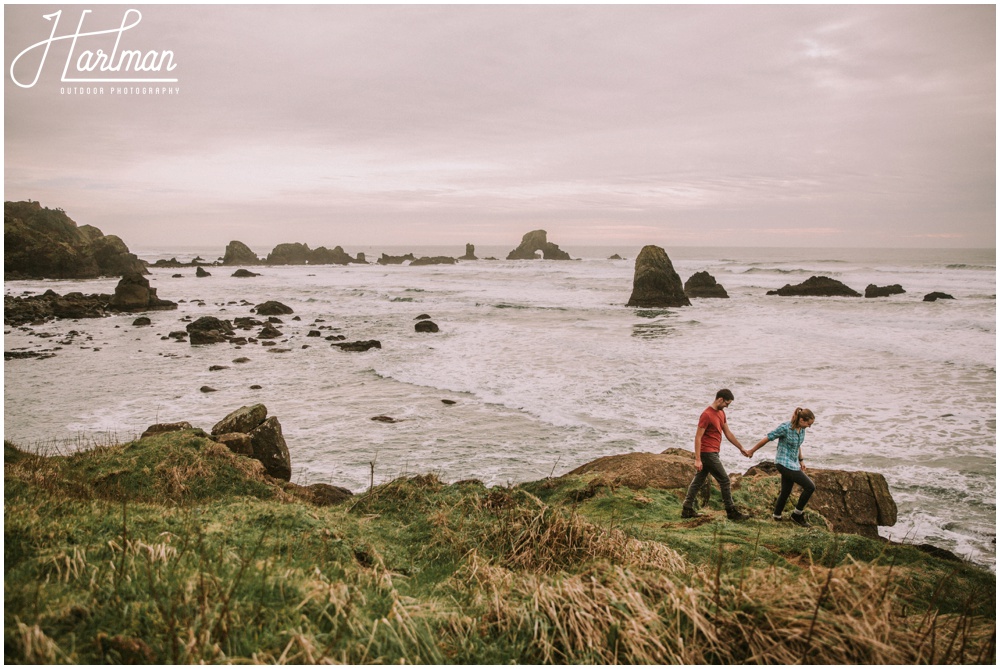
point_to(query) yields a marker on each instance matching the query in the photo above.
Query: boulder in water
(816, 286)
(703, 284)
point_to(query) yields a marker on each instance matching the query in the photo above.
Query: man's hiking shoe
(736, 514)
(800, 520)
(688, 512)
(778, 517)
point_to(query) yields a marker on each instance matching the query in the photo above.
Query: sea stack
(534, 242)
(238, 253)
(656, 283)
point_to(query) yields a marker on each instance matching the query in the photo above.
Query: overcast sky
(394, 125)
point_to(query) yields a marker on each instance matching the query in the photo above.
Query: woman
(790, 463)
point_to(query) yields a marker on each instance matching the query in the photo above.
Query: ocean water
(549, 370)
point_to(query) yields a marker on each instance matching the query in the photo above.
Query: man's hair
(725, 394)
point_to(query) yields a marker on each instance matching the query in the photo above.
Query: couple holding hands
(708, 440)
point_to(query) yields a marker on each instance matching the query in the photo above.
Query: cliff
(42, 243)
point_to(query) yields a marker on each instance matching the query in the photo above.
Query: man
(707, 442)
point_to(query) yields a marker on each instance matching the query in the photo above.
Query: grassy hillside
(172, 549)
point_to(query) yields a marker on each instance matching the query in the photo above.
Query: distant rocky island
(43, 243)
(536, 242)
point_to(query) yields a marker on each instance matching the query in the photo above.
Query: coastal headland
(175, 548)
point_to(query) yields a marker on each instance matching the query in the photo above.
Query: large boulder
(266, 442)
(244, 419)
(816, 286)
(320, 494)
(209, 330)
(358, 346)
(133, 293)
(703, 284)
(160, 428)
(852, 502)
(238, 253)
(656, 283)
(671, 469)
(935, 296)
(272, 308)
(883, 291)
(43, 243)
(536, 242)
(270, 449)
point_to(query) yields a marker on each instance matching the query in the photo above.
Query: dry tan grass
(847, 615)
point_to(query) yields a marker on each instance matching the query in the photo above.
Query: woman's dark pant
(790, 477)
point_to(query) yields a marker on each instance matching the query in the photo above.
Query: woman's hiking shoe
(688, 512)
(735, 514)
(800, 519)
(778, 517)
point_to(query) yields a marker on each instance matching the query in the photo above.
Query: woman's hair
(801, 415)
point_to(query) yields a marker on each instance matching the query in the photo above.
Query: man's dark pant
(711, 463)
(790, 477)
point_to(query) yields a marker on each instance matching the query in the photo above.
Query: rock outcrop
(160, 428)
(536, 242)
(301, 254)
(426, 326)
(470, 253)
(238, 253)
(395, 260)
(656, 283)
(851, 502)
(935, 296)
(358, 346)
(133, 293)
(50, 305)
(703, 284)
(209, 330)
(671, 469)
(883, 291)
(816, 286)
(433, 260)
(42, 243)
(266, 441)
(272, 308)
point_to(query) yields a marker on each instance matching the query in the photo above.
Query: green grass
(174, 550)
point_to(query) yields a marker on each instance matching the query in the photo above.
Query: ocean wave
(775, 270)
(968, 266)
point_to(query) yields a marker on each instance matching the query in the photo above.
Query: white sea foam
(549, 370)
